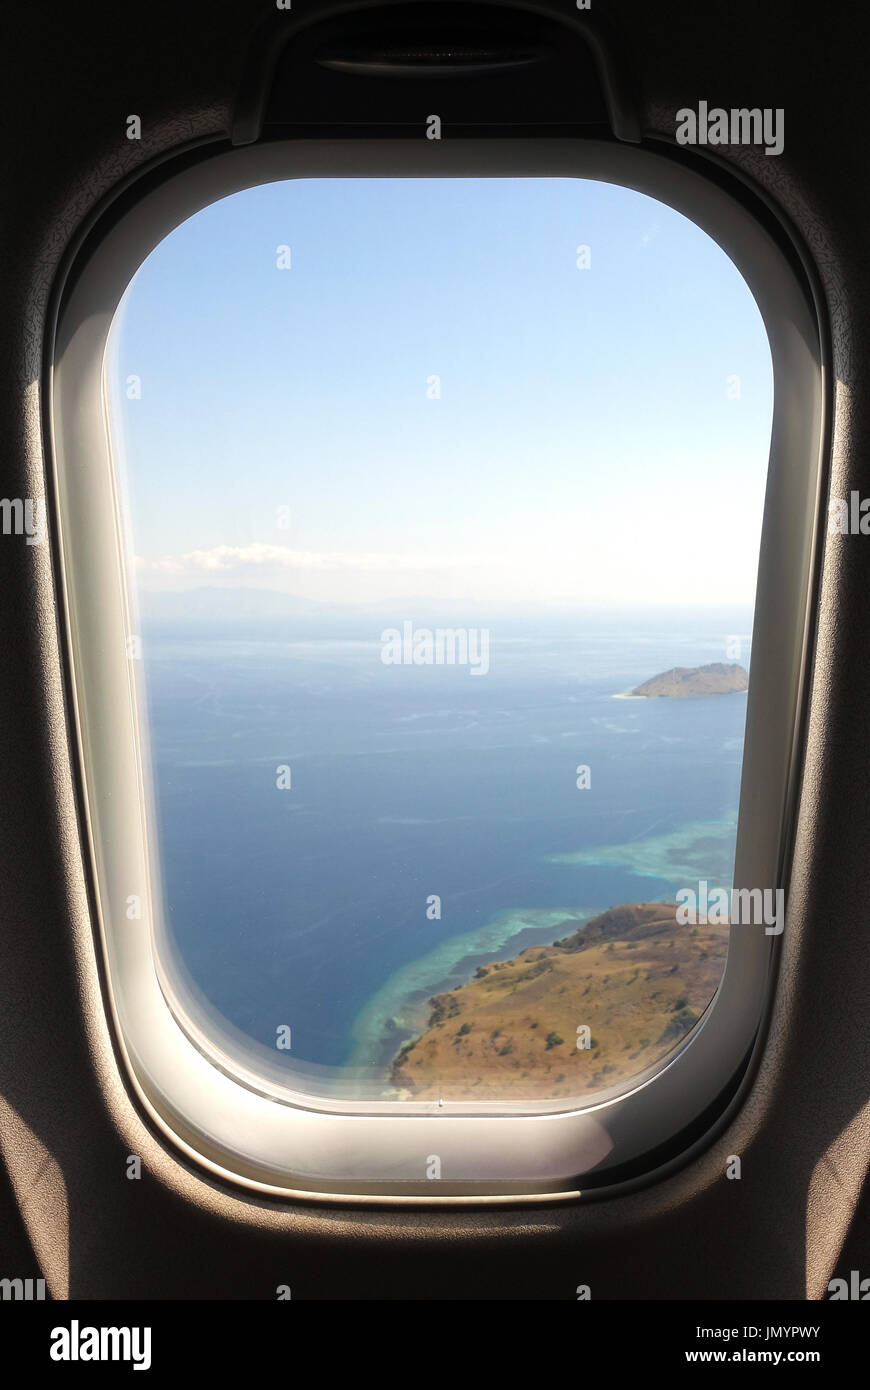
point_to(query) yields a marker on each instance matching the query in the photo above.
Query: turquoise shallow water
(401, 1005)
(699, 849)
(400, 1009)
(308, 908)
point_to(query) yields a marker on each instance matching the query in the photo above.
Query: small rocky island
(718, 678)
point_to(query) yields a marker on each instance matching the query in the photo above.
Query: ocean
(313, 906)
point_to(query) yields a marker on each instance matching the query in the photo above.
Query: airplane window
(442, 501)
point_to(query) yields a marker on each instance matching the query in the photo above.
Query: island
(718, 678)
(633, 976)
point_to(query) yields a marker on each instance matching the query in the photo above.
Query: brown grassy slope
(633, 975)
(717, 678)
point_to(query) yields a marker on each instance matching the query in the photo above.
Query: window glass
(442, 502)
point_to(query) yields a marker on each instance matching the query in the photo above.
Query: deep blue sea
(306, 906)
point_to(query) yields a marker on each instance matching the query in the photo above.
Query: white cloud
(229, 558)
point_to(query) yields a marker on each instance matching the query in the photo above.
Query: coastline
(400, 1009)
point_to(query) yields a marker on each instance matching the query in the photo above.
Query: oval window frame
(223, 1114)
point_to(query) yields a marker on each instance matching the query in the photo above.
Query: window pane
(420, 479)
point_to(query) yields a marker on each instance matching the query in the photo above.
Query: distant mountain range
(228, 605)
(217, 604)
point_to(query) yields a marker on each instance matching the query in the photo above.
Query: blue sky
(584, 449)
